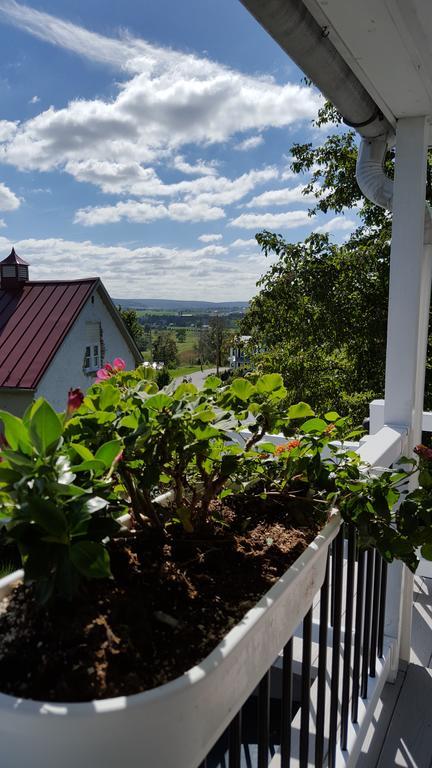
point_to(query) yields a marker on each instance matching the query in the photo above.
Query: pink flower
(110, 369)
(102, 374)
(75, 398)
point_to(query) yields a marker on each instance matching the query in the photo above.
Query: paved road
(198, 377)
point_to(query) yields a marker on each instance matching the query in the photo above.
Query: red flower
(119, 364)
(75, 398)
(424, 452)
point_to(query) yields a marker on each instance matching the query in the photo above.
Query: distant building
(238, 354)
(54, 334)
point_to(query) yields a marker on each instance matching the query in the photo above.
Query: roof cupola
(14, 272)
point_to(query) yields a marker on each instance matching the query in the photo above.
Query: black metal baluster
(286, 714)
(358, 634)
(263, 721)
(349, 601)
(382, 608)
(305, 689)
(322, 669)
(375, 614)
(338, 551)
(367, 622)
(332, 581)
(235, 742)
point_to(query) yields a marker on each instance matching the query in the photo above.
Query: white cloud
(210, 238)
(287, 220)
(2, 224)
(244, 243)
(283, 196)
(8, 199)
(168, 99)
(34, 100)
(337, 224)
(198, 199)
(145, 211)
(209, 271)
(200, 168)
(7, 129)
(252, 143)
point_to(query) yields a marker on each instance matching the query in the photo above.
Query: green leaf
(130, 421)
(212, 382)
(204, 416)
(158, 402)
(332, 416)
(108, 452)
(92, 465)
(300, 411)
(184, 389)
(49, 516)
(426, 551)
(45, 426)
(314, 425)
(205, 432)
(108, 397)
(269, 383)
(425, 479)
(15, 432)
(91, 559)
(242, 389)
(82, 451)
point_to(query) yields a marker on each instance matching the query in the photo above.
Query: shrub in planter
(108, 609)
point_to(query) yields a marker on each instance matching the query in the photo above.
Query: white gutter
(374, 183)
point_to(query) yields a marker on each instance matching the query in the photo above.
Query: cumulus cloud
(337, 224)
(8, 199)
(34, 100)
(287, 220)
(244, 243)
(210, 238)
(167, 99)
(283, 196)
(198, 199)
(7, 129)
(252, 143)
(208, 271)
(142, 212)
(2, 224)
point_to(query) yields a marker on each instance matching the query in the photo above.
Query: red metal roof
(13, 258)
(33, 324)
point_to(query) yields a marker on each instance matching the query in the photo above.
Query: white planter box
(174, 725)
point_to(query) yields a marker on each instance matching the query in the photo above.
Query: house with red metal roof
(54, 334)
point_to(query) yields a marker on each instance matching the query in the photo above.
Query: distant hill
(183, 306)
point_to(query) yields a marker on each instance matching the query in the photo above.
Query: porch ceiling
(388, 44)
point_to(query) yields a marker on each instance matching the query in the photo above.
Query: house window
(92, 358)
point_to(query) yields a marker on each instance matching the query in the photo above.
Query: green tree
(164, 349)
(321, 311)
(131, 320)
(212, 342)
(181, 334)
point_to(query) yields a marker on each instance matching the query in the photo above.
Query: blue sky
(148, 143)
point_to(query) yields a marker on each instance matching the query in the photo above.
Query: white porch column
(409, 296)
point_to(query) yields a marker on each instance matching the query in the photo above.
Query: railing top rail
(385, 447)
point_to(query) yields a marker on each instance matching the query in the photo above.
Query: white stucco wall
(66, 368)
